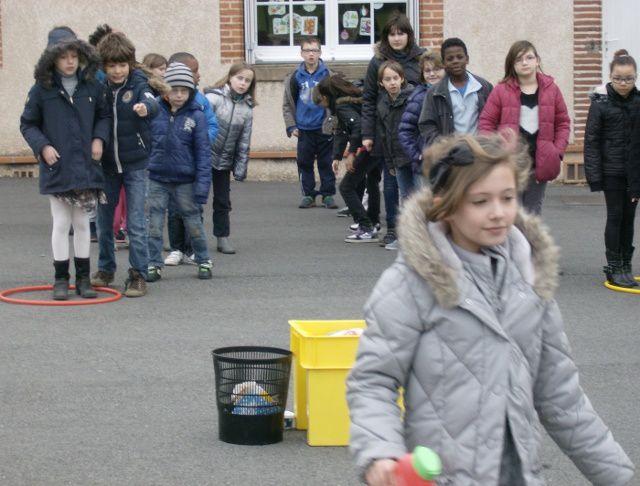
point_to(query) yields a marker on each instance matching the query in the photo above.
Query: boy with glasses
(304, 120)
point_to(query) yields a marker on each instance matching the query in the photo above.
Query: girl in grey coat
(232, 100)
(466, 322)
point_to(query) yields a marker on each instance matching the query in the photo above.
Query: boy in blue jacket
(180, 168)
(125, 161)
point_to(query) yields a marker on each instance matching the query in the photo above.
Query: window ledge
(278, 71)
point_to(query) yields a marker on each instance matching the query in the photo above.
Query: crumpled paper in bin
(250, 398)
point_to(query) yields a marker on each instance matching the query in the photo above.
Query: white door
(620, 21)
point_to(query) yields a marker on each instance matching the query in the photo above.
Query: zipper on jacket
(140, 141)
(226, 136)
(115, 130)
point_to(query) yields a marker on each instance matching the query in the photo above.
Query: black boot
(61, 284)
(83, 282)
(613, 270)
(627, 256)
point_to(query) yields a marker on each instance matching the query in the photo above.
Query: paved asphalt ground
(123, 393)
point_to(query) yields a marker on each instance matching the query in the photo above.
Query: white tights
(64, 215)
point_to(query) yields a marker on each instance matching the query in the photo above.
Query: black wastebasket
(251, 393)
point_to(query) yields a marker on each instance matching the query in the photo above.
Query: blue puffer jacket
(130, 144)
(408, 132)
(181, 152)
(69, 125)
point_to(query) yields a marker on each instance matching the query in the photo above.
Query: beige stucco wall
(163, 26)
(489, 28)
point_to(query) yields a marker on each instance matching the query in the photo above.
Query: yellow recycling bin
(322, 363)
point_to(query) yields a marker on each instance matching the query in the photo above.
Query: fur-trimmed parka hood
(345, 100)
(87, 56)
(426, 249)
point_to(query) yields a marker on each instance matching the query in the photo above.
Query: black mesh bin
(251, 393)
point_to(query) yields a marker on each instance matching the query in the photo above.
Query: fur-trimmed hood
(426, 249)
(87, 56)
(346, 100)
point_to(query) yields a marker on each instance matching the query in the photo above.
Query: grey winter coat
(467, 370)
(230, 149)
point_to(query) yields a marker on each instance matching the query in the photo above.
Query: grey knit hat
(59, 35)
(178, 74)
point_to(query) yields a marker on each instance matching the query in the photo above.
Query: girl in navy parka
(66, 122)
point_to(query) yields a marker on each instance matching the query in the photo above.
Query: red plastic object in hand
(419, 468)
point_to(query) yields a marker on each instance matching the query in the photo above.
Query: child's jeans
(158, 201)
(135, 188)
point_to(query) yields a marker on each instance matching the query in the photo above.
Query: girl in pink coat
(529, 102)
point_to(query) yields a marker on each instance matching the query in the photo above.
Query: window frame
(255, 54)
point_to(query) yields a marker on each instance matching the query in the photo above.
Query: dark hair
(182, 57)
(622, 58)
(394, 66)
(153, 60)
(335, 86)
(398, 22)
(310, 40)
(235, 69)
(99, 33)
(453, 42)
(116, 47)
(517, 49)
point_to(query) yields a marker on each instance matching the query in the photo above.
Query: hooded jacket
(180, 152)
(467, 368)
(502, 111)
(68, 123)
(347, 111)
(230, 148)
(372, 92)
(130, 145)
(436, 117)
(608, 135)
(389, 114)
(298, 109)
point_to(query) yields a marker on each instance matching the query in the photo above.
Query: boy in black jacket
(125, 161)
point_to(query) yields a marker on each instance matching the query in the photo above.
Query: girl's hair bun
(620, 53)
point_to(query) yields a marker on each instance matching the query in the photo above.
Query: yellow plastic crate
(321, 365)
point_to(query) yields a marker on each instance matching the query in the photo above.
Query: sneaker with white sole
(391, 246)
(189, 259)
(355, 226)
(174, 258)
(363, 235)
(154, 273)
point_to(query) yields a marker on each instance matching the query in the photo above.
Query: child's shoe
(83, 282)
(329, 202)
(343, 213)
(390, 237)
(61, 282)
(135, 285)
(102, 279)
(204, 270)
(391, 246)
(363, 235)
(307, 202)
(224, 246)
(189, 259)
(154, 274)
(174, 258)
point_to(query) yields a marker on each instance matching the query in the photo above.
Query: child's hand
(349, 163)
(97, 146)
(335, 166)
(381, 473)
(50, 155)
(367, 143)
(140, 109)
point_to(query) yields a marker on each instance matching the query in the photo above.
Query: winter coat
(180, 151)
(466, 370)
(69, 124)
(408, 133)
(235, 118)
(436, 117)
(298, 109)
(212, 120)
(130, 144)
(502, 111)
(607, 135)
(372, 92)
(389, 115)
(347, 111)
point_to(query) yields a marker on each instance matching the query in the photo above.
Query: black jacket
(348, 130)
(389, 115)
(608, 135)
(69, 124)
(130, 145)
(436, 117)
(372, 93)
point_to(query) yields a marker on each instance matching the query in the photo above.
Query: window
(346, 28)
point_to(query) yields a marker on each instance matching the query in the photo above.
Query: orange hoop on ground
(624, 289)
(4, 296)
